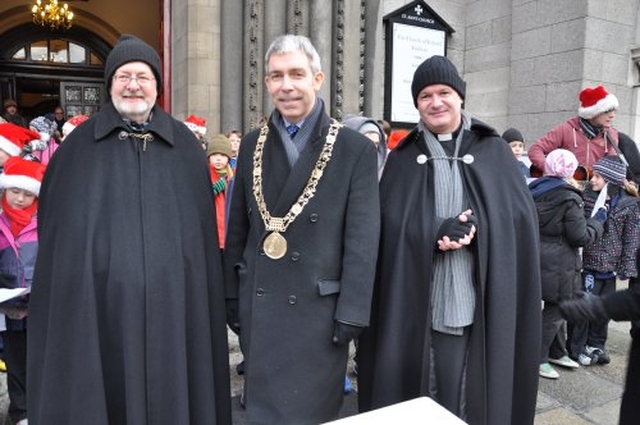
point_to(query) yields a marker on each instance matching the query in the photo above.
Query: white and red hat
(72, 123)
(23, 174)
(196, 124)
(594, 101)
(13, 138)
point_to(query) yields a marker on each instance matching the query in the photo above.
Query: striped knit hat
(612, 170)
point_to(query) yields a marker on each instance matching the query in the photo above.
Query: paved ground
(587, 396)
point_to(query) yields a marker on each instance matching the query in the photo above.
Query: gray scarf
(452, 292)
(295, 146)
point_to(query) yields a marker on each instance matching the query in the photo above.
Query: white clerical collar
(445, 137)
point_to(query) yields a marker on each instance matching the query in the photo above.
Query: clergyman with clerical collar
(456, 314)
(301, 245)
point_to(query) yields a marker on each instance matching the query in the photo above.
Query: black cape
(504, 352)
(127, 322)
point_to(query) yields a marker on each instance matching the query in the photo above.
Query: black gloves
(455, 229)
(587, 308)
(233, 319)
(601, 215)
(343, 333)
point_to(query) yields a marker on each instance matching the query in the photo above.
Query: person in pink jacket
(20, 185)
(589, 136)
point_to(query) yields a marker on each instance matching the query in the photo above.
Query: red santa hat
(23, 174)
(196, 124)
(594, 101)
(72, 123)
(13, 138)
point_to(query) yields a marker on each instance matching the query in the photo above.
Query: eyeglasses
(142, 80)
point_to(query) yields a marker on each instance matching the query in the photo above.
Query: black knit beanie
(512, 135)
(436, 70)
(130, 48)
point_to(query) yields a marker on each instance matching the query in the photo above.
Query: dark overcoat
(294, 373)
(563, 230)
(625, 305)
(127, 322)
(504, 352)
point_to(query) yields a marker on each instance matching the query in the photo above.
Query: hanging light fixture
(52, 15)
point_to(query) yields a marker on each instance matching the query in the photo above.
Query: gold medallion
(275, 246)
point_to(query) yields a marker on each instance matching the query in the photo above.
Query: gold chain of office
(280, 224)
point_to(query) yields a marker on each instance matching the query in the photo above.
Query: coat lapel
(292, 185)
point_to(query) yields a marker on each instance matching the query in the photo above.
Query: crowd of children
(589, 231)
(24, 153)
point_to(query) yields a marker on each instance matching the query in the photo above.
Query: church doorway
(41, 71)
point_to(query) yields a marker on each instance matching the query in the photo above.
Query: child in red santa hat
(16, 141)
(20, 183)
(198, 127)
(45, 155)
(71, 124)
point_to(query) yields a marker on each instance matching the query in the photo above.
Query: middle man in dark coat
(301, 245)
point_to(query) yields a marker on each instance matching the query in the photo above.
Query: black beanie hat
(436, 70)
(130, 48)
(512, 135)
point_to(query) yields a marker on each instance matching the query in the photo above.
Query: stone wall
(525, 61)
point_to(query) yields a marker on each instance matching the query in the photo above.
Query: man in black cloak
(127, 317)
(456, 308)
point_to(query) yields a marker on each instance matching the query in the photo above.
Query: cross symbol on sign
(418, 10)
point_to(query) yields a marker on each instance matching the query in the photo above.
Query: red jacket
(220, 202)
(570, 136)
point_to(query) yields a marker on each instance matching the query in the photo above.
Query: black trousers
(15, 355)
(552, 332)
(593, 334)
(450, 358)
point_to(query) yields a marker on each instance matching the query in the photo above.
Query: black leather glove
(586, 308)
(455, 229)
(601, 215)
(343, 333)
(233, 319)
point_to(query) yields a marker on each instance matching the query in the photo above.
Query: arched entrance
(42, 70)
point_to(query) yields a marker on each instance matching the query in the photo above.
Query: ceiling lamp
(52, 15)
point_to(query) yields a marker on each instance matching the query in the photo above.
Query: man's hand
(343, 333)
(457, 232)
(587, 308)
(14, 313)
(233, 318)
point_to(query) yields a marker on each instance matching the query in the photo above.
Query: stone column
(232, 66)
(275, 24)
(320, 30)
(352, 43)
(253, 62)
(370, 36)
(196, 59)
